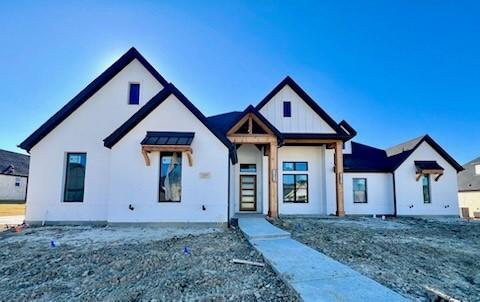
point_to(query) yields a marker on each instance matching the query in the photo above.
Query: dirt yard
(133, 264)
(404, 254)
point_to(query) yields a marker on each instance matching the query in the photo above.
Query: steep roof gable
(288, 81)
(401, 152)
(86, 93)
(153, 103)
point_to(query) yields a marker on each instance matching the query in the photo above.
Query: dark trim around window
(427, 196)
(295, 189)
(295, 165)
(287, 109)
(67, 192)
(165, 154)
(134, 94)
(366, 189)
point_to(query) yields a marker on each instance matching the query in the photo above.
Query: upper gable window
(287, 109)
(134, 98)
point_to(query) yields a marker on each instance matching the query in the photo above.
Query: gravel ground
(133, 264)
(404, 254)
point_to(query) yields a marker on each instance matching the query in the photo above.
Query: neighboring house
(469, 188)
(131, 147)
(13, 175)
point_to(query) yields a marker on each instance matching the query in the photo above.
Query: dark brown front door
(248, 192)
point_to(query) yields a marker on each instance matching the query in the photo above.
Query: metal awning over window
(424, 167)
(161, 141)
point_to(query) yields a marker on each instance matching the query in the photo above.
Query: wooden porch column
(339, 178)
(273, 180)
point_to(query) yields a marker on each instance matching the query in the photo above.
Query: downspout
(228, 198)
(394, 196)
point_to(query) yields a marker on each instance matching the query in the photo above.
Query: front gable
(305, 114)
(103, 104)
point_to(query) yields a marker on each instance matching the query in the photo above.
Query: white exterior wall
(84, 131)
(316, 179)
(379, 194)
(409, 191)
(303, 118)
(470, 200)
(133, 182)
(330, 181)
(248, 154)
(8, 190)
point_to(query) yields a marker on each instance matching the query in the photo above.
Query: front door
(248, 192)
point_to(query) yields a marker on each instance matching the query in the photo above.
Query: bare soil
(404, 254)
(133, 264)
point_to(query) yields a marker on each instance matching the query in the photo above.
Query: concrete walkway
(313, 275)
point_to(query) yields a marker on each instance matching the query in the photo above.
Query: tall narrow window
(287, 109)
(360, 190)
(134, 98)
(17, 181)
(75, 177)
(170, 177)
(426, 188)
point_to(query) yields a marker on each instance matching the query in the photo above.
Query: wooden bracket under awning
(437, 172)
(146, 149)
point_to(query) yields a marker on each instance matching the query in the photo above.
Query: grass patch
(12, 209)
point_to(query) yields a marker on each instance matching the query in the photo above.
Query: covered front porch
(283, 174)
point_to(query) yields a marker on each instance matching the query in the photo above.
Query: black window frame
(287, 109)
(162, 154)
(429, 187)
(294, 163)
(295, 189)
(366, 189)
(137, 101)
(68, 154)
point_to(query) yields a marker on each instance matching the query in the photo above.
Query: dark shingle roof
(427, 165)
(223, 122)
(467, 179)
(13, 163)
(369, 159)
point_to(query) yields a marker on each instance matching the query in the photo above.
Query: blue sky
(393, 69)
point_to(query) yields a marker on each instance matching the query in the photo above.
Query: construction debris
(240, 261)
(434, 295)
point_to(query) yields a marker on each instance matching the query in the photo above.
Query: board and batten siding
(379, 194)
(205, 183)
(84, 131)
(444, 195)
(303, 118)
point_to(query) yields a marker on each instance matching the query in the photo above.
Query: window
(477, 169)
(134, 98)
(295, 188)
(17, 181)
(170, 177)
(75, 177)
(360, 190)
(295, 166)
(426, 188)
(287, 109)
(249, 168)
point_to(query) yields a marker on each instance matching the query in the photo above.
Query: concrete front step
(260, 229)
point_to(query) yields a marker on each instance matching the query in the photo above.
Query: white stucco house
(13, 176)
(131, 147)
